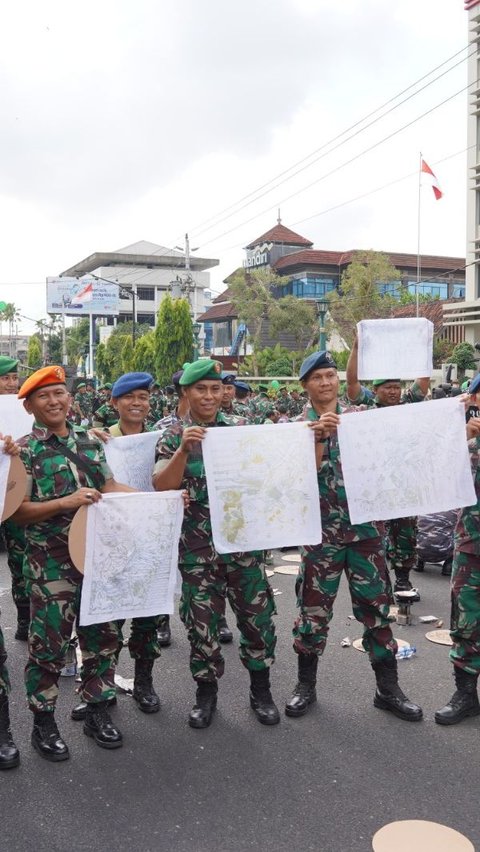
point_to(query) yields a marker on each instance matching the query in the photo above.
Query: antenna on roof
(279, 221)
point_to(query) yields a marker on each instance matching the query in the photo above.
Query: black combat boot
(261, 700)
(447, 567)
(304, 693)
(206, 702)
(23, 622)
(99, 725)
(164, 634)
(403, 584)
(464, 701)
(225, 635)
(46, 738)
(389, 696)
(143, 691)
(79, 712)
(9, 754)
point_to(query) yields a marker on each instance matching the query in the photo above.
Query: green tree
(173, 338)
(298, 318)
(77, 338)
(34, 352)
(144, 354)
(463, 356)
(252, 297)
(127, 355)
(103, 370)
(359, 297)
(442, 352)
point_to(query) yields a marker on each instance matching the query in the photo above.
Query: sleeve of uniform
(413, 394)
(363, 398)
(26, 458)
(166, 447)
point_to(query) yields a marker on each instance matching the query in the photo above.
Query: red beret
(40, 379)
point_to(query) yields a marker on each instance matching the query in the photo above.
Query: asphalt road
(324, 783)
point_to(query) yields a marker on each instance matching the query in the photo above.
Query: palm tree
(10, 314)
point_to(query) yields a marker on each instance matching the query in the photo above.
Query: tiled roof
(281, 234)
(218, 312)
(317, 257)
(431, 310)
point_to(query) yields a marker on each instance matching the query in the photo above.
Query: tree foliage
(463, 356)
(359, 297)
(173, 338)
(127, 355)
(34, 352)
(144, 354)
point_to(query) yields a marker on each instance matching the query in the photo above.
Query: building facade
(312, 274)
(466, 315)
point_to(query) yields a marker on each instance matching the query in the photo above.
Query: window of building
(309, 286)
(434, 289)
(147, 294)
(458, 291)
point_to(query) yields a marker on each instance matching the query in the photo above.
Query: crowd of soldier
(66, 468)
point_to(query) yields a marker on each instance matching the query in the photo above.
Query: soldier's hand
(82, 497)
(186, 499)
(191, 436)
(9, 446)
(325, 426)
(99, 433)
(473, 427)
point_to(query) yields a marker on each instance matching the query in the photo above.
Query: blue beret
(130, 382)
(474, 385)
(316, 361)
(177, 376)
(228, 379)
(242, 386)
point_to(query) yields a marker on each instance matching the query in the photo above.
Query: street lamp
(322, 308)
(196, 328)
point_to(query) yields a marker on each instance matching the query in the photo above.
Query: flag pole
(418, 234)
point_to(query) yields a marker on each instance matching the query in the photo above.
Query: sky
(126, 121)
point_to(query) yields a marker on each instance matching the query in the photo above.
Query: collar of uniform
(43, 433)
(221, 419)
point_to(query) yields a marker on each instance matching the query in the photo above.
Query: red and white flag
(469, 4)
(84, 295)
(425, 168)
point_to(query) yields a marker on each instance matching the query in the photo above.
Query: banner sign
(82, 296)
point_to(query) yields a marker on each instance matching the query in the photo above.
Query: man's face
(204, 399)
(133, 407)
(228, 394)
(322, 385)
(9, 383)
(389, 393)
(295, 395)
(82, 389)
(49, 405)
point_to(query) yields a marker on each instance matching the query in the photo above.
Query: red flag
(469, 4)
(434, 182)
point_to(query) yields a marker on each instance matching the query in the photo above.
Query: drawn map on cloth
(406, 460)
(262, 487)
(132, 459)
(14, 420)
(395, 348)
(131, 556)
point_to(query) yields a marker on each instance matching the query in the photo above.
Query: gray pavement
(324, 783)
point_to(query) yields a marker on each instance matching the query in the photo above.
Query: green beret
(379, 382)
(205, 368)
(7, 365)
(263, 388)
(81, 385)
(108, 386)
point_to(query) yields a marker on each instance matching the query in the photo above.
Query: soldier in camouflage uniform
(105, 415)
(356, 549)
(9, 755)
(261, 407)
(66, 469)
(465, 592)
(131, 400)
(15, 536)
(208, 577)
(401, 533)
(241, 406)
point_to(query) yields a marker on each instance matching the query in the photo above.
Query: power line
(345, 163)
(325, 145)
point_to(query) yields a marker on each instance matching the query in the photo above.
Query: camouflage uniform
(15, 544)
(4, 678)
(401, 533)
(241, 409)
(53, 581)
(261, 407)
(143, 642)
(357, 549)
(85, 404)
(208, 577)
(105, 416)
(465, 584)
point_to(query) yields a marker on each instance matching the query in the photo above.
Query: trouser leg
(252, 602)
(367, 578)
(201, 607)
(317, 586)
(465, 626)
